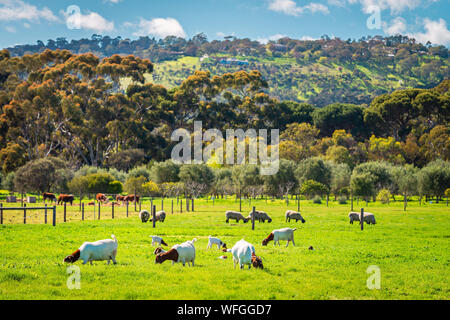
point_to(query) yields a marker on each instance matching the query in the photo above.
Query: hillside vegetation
(319, 72)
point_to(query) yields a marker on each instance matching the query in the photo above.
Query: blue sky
(26, 21)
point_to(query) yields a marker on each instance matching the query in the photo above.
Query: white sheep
(158, 240)
(217, 241)
(144, 215)
(369, 217)
(280, 234)
(234, 215)
(95, 251)
(183, 253)
(291, 214)
(244, 254)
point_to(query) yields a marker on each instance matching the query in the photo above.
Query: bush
(342, 200)
(383, 196)
(317, 200)
(115, 187)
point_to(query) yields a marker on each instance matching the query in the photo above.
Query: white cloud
(10, 29)
(436, 32)
(396, 6)
(90, 21)
(290, 7)
(13, 10)
(160, 27)
(274, 37)
(397, 26)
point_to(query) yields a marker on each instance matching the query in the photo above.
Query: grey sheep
(144, 215)
(291, 214)
(369, 218)
(159, 216)
(260, 216)
(234, 215)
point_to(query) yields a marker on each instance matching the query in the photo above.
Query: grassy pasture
(411, 249)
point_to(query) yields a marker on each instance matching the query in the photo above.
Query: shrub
(383, 196)
(317, 200)
(342, 200)
(115, 187)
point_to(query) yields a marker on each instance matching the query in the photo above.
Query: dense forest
(66, 117)
(319, 72)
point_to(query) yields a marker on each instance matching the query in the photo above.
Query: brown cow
(101, 197)
(130, 198)
(65, 198)
(49, 196)
(120, 198)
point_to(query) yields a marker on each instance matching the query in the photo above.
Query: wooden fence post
(99, 205)
(181, 205)
(1, 213)
(135, 199)
(112, 208)
(140, 203)
(253, 218)
(24, 213)
(162, 203)
(45, 214)
(362, 218)
(82, 212)
(298, 203)
(54, 215)
(80, 199)
(127, 209)
(65, 211)
(94, 209)
(351, 201)
(192, 206)
(187, 204)
(154, 216)
(240, 201)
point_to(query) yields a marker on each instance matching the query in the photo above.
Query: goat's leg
(287, 243)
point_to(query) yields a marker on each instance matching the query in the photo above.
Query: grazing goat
(159, 216)
(291, 214)
(280, 234)
(183, 253)
(234, 215)
(244, 254)
(369, 218)
(158, 240)
(260, 216)
(217, 241)
(95, 251)
(144, 215)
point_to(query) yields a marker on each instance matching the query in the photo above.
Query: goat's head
(266, 240)
(73, 257)
(172, 254)
(257, 262)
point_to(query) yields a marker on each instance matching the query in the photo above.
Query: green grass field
(411, 249)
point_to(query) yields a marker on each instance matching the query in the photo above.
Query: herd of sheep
(243, 252)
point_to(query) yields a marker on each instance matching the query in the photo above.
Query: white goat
(158, 240)
(280, 234)
(244, 254)
(95, 251)
(217, 241)
(183, 253)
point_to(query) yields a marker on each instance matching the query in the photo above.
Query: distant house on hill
(278, 47)
(232, 61)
